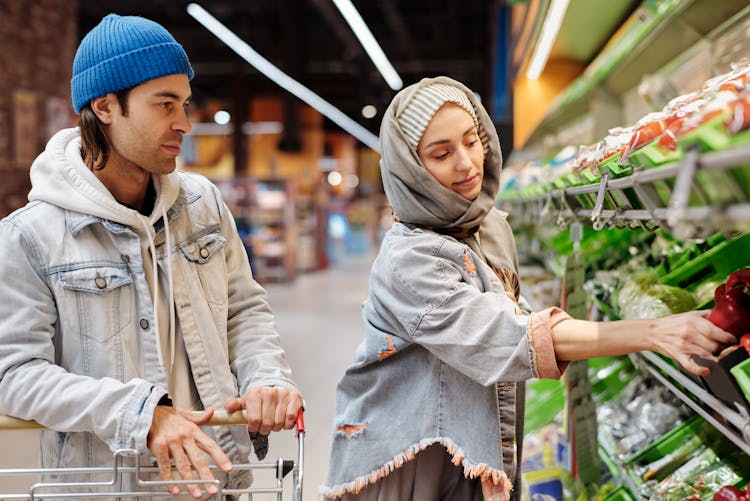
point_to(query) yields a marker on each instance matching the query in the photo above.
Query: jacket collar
(77, 221)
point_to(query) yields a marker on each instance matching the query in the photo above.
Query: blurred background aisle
(319, 318)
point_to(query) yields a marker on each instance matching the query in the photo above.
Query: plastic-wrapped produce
(641, 296)
(700, 477)
(639, 415)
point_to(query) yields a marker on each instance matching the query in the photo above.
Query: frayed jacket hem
(483, 471)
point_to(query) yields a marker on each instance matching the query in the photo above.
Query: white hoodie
(60, 177)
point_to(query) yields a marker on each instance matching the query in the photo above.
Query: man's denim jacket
(78, 350)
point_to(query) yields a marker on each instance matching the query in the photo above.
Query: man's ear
(104, 107)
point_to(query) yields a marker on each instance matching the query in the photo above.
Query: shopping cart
(125, 466)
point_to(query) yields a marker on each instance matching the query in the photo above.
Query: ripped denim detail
(496, 485)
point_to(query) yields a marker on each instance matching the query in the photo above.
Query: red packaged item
(646, 130)
(731, 309)
(728, 493)
(740, 114)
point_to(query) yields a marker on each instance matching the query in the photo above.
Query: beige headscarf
(419, 199)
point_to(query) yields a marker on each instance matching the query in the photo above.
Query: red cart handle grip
(300, 421)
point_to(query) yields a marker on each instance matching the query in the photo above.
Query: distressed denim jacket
(78, 349)
(442, 343)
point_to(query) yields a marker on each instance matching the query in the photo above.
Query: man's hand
(176, 434)
(267, 408)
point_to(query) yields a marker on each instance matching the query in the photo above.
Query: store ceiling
(311, 41)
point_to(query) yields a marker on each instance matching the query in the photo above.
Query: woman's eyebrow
(442, 141)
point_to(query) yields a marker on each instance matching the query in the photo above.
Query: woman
(432, 407)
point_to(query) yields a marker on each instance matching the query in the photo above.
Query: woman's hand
(678, 336)
(683, 335)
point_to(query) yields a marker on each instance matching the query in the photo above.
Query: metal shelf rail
(616, 206)
(733, 423)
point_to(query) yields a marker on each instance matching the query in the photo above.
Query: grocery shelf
(735, 425)
(652, 38)
(635, 202)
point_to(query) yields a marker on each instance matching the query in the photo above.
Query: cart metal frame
(124, 462)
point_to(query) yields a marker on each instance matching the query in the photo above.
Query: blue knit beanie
(122, 52)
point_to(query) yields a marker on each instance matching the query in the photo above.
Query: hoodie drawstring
(170, 299)
(155, 279)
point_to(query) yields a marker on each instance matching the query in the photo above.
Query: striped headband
(426, 101)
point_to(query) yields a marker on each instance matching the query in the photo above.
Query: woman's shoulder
(404, 244)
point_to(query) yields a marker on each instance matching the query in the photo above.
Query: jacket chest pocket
(101, 299)
(205, 255)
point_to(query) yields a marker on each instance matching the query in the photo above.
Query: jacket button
(100, 283)
(125, 258)
(144, 324)
(204, 252)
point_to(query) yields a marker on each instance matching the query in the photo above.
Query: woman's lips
(468, 181)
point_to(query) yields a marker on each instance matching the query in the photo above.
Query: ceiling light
(371, 46)
(369, 111)
(222, 117)
(282, 79)
(335, 178)
(552, 21)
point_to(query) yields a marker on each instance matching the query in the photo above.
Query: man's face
(149, 135)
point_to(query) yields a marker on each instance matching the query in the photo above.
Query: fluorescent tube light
(551, 27)
(372, 47)
(282, 79)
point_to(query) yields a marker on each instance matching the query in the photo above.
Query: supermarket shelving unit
(676, 216)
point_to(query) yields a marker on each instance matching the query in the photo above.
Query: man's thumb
(200, 417)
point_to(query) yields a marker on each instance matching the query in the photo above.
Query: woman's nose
(464, 160)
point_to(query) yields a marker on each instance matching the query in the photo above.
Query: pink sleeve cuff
(540, 342)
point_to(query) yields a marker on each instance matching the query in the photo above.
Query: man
(128, 297)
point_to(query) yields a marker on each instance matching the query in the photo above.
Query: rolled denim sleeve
(463, 318)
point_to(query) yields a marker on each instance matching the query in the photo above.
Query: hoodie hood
(60, 177)
(415, 195)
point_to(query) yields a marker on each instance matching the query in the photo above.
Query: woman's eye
(440, 156)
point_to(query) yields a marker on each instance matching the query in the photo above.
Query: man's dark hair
(94, 145)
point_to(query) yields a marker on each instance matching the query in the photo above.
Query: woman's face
(451, 151)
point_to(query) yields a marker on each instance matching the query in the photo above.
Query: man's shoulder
(36, 212)
(192, 181)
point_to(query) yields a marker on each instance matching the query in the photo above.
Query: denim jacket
(448, 339)
(78, 348)
(442, 342)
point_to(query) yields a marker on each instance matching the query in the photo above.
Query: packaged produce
(739, 118)
(731, 309)
(642, 296)
(646, 130)
(702, 476)
(642, 413)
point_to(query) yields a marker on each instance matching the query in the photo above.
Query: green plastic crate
(620, 493)
(716, 263)
(652, 155)
(741, 373)
(667, 442)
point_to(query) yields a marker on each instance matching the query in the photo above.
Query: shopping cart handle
(300, 421)
(220, 418)
(14, 423)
